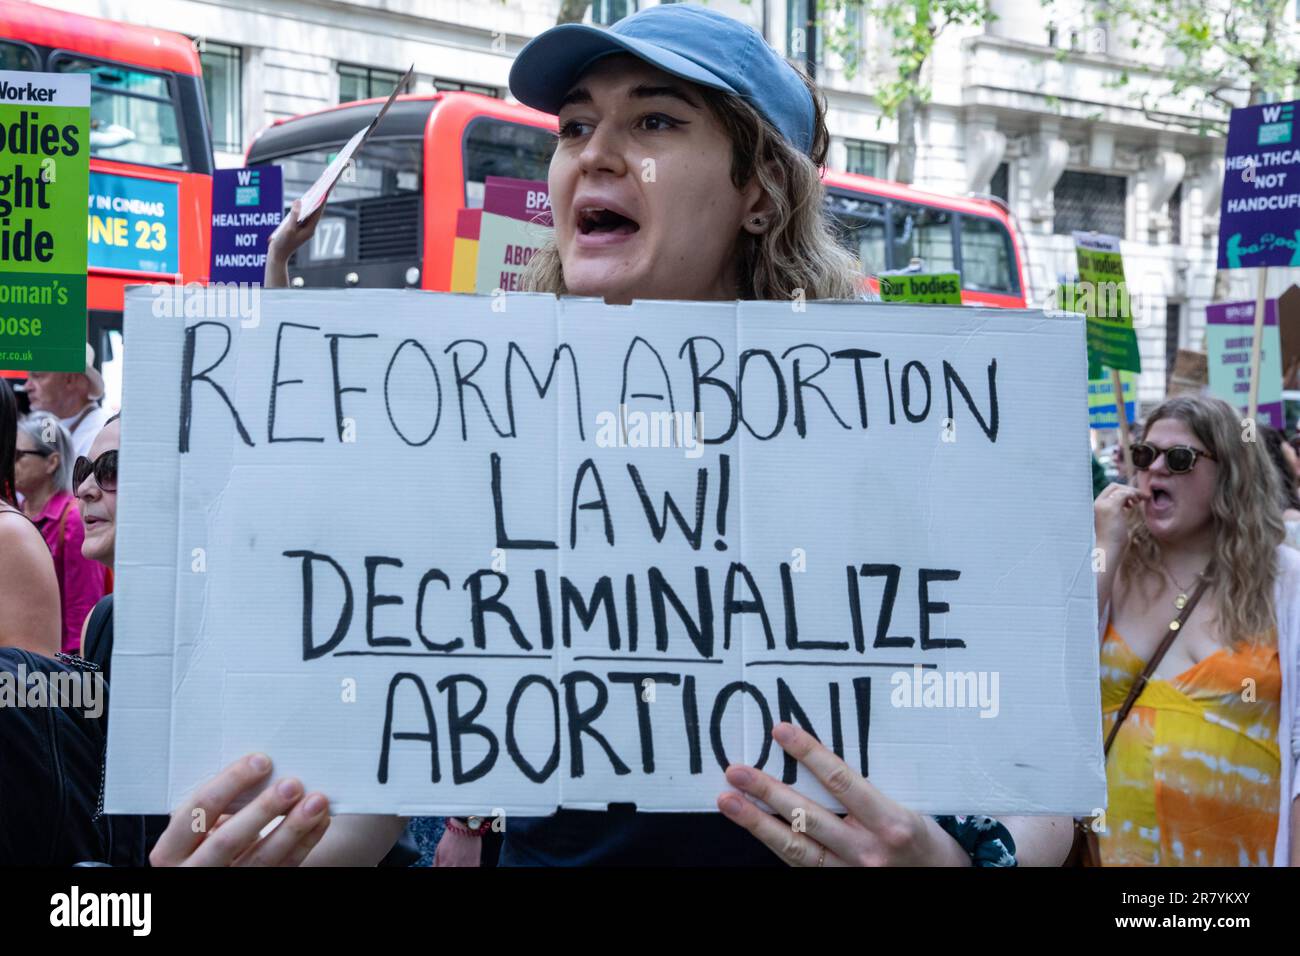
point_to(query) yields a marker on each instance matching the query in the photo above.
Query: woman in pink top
(43, 475)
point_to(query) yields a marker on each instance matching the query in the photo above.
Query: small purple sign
(1259, 221)
(247, 205)
(523, 199)
(1229, 340)
(1240, 313)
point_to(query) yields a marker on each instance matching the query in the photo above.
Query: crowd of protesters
(1192, 541)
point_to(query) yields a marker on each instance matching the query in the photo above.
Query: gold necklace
(1180, 602)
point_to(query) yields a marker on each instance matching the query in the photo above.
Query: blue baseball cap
(691, 42)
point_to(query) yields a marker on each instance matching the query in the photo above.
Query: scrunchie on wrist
(985, 840)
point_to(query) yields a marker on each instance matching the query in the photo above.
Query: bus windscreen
(887, 234)
(133, 116)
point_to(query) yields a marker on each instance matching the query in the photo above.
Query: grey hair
(41, 425)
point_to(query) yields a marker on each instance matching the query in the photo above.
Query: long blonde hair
(798, 255)
(1248, 524)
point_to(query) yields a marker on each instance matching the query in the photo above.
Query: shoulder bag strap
(1175, 626)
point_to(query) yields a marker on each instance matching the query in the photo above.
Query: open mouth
(594, 220)
(1161, 500)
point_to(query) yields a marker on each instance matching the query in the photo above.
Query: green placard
(44, 190)
(1102, 295)
(935, 288)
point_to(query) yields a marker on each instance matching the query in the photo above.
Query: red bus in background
(394, 225)
(150, 150)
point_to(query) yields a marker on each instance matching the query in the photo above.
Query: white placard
(532, 586)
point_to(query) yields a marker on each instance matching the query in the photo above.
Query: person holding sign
(1201, 762)
(686, 168)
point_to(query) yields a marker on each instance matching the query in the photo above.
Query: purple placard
(1259, 221)
(1239, 313)
(524, 199)
(1243, 313)
(247, 205)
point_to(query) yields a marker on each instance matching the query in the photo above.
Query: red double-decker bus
(394, 223)
(150, 203)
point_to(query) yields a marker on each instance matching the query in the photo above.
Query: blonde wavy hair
(798, 254)
(1248, 524)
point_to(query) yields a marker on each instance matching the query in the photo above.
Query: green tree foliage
(910, 29)
(1218, 53)
(572, 11)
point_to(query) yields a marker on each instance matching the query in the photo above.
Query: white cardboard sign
(448, 553)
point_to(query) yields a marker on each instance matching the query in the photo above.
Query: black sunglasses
(104, 469)
(1179, 459)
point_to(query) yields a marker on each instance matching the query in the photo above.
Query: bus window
(924, 232)
(374, 209)
(498, 148)
(859, 223)
(986, 260)
(19, 57)
(132, 115)
(386, 167)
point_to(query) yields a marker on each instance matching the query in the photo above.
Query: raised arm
(1109, 517)
(284, 242)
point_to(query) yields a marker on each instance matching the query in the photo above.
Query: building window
(1173, 318)
(222, 72)
(1091, 202)
(803, 39)
(1176, 215)
(364, 83)
(1000, 184)
(456, 85)
(866, 159)
(608, 12)
(849, 40)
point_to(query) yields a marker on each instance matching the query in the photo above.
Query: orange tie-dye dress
(1193, 773)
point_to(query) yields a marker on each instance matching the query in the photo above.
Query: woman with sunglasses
(29, 590)
(97, 498)
(43, 475)
(1202, 769)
